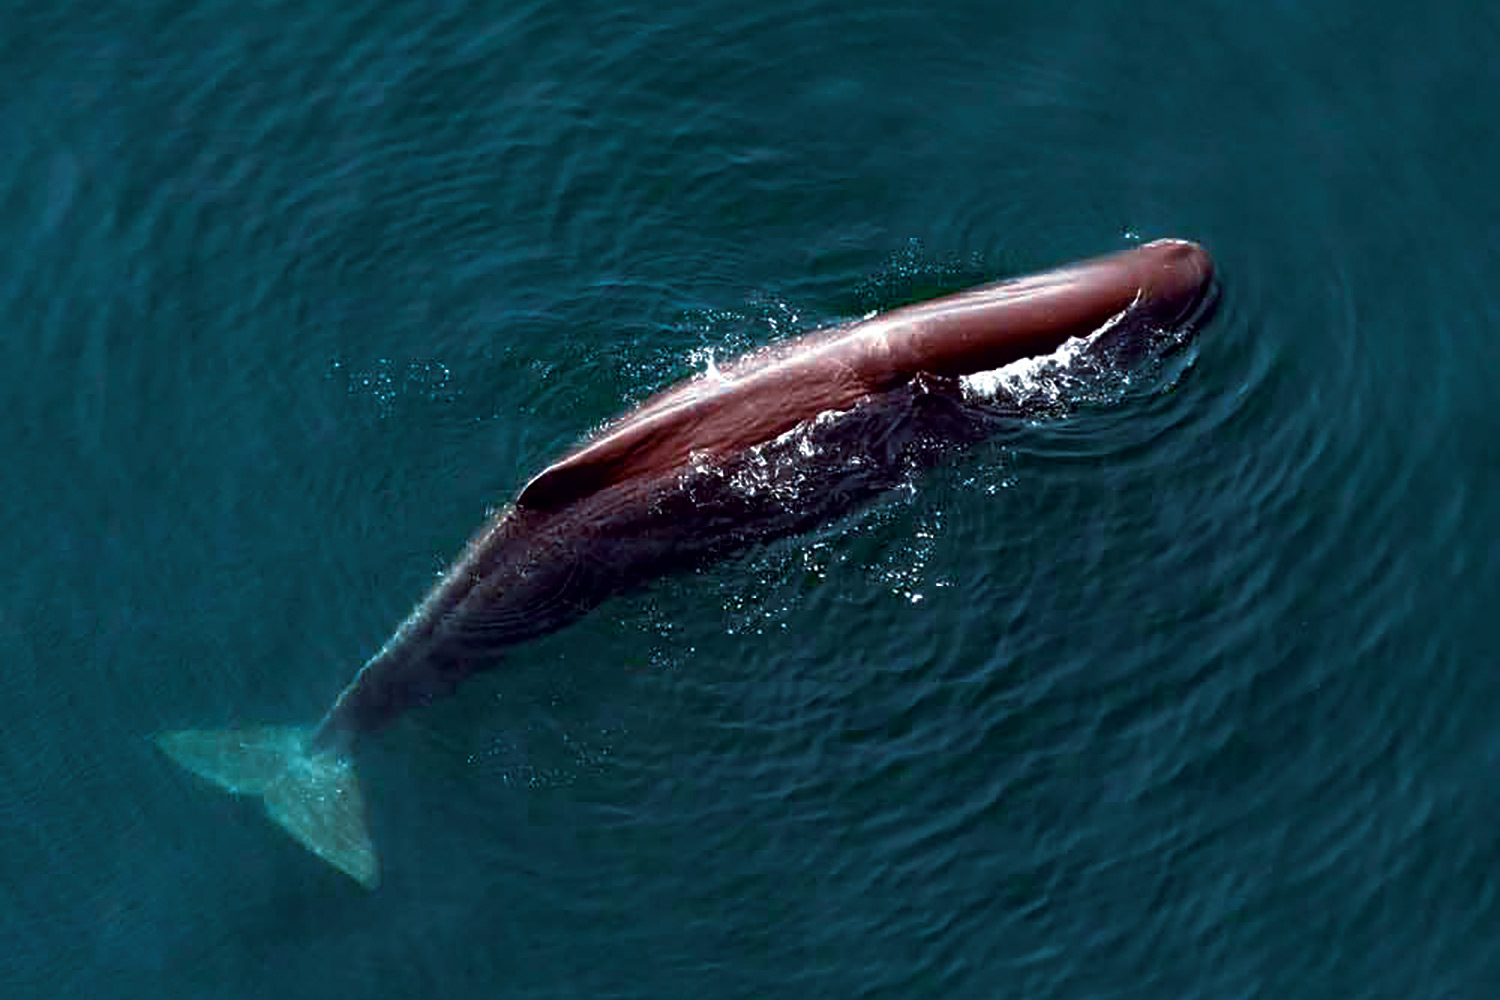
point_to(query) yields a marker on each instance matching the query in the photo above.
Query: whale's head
(1177, 294)
(1177, 282)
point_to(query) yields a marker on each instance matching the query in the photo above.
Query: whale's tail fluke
(311, 793)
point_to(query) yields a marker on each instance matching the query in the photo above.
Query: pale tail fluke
(312, 794)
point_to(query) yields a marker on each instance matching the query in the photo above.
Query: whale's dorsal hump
(560, 484)
(640, 445)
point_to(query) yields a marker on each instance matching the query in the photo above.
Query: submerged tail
(311, 793)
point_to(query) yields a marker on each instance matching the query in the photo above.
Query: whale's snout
(1174, 290)
(1177, 281)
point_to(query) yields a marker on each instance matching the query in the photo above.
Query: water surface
(1189, 695)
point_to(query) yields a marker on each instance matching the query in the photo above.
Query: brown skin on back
(769, 394)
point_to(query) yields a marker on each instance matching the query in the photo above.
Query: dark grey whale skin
(709, 466)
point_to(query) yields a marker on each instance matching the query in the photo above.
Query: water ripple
(1179, 691)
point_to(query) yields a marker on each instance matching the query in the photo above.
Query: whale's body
(769, 446)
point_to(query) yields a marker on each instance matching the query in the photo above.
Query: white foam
(1038, 375)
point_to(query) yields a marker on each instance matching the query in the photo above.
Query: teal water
(1188, 696)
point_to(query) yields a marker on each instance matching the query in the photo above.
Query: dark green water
(1190, 696)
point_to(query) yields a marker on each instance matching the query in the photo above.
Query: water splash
(1099, 369)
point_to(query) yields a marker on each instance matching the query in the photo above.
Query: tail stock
(311, 793)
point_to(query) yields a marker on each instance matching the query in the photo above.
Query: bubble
(387, 381)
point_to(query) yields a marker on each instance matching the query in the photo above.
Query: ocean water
(1189, 695)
